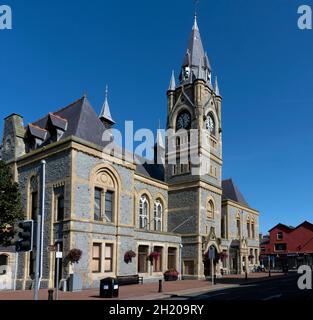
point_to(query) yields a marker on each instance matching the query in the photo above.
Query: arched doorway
(208, 262)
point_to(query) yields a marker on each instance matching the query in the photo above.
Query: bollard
(160, 286)
(246, 275)
(269, 272)
(50, 294)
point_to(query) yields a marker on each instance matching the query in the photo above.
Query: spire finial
(105, 113)
(195, 25)
(106, 92)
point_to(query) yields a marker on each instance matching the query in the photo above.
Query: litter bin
(109, 288)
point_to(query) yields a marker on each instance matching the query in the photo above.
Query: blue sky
(58, 50)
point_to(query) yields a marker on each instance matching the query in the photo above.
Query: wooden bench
(131, 279)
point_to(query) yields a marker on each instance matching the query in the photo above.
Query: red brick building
(288, 246)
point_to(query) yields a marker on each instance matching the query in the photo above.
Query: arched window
(210, 209)
(210, 124)
(238, 225)
(248, 228)
(252, 229)
(143, 212)
(4, 261)
(105, 196)
(158, 215)
(34, 199)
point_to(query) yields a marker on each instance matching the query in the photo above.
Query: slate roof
(80, 120)
(231, 192)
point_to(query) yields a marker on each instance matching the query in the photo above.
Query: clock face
(210, 124)
(183, 121)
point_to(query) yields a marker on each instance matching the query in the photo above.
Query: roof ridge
(55, 115)
(84, 98)
(33, 125)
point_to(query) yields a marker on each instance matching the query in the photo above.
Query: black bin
(109, 288)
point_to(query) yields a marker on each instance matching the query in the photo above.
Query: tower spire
(105, 114)
(195, 57)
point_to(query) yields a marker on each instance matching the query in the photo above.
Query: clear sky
(58, 50)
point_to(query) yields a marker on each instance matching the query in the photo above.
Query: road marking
(277, 296)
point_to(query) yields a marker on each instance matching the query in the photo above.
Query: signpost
(212, 257)
(58, 255)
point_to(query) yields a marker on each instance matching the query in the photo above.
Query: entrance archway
(207, 261)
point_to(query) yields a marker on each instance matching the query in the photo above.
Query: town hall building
(164, 215)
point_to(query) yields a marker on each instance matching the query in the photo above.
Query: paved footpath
(149, 291)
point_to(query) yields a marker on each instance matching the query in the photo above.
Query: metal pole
(212, 266)
(16, 268)
(40, 231)
(181, 261)
(57, 275)
(36, 286)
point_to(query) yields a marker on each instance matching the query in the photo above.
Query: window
(3, 264)
(210, 209)
(60, 208)
(174, 170)
(256, 256)
(157, 263)
(280, 235)
(143, 259)
(96, 257)
(158, 212)
(248, 230)
(223, 227)
(34, 205)
(178, 141)
(98, 205)
(252, 230)
(171, 258)
(238, 227)
(143, 212)
(59, 203)
(108, 259)
(280, 246)
(109, 195)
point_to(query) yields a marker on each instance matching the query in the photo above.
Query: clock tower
(193, 161)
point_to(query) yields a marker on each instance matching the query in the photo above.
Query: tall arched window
(158, 214)
(143, 212)
(248, 228)
(252, 229)
(238, 225)
(210, 209)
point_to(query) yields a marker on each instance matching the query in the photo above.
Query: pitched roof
(231, 192)
(82, 121)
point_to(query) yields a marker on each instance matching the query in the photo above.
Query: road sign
(212, 253)
(58, 254)
(51, 248)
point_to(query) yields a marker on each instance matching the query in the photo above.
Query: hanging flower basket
(128, 256)
(74, 256)
(154, 256)
(171, 275)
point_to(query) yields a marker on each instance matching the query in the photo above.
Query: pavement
(188, 289)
